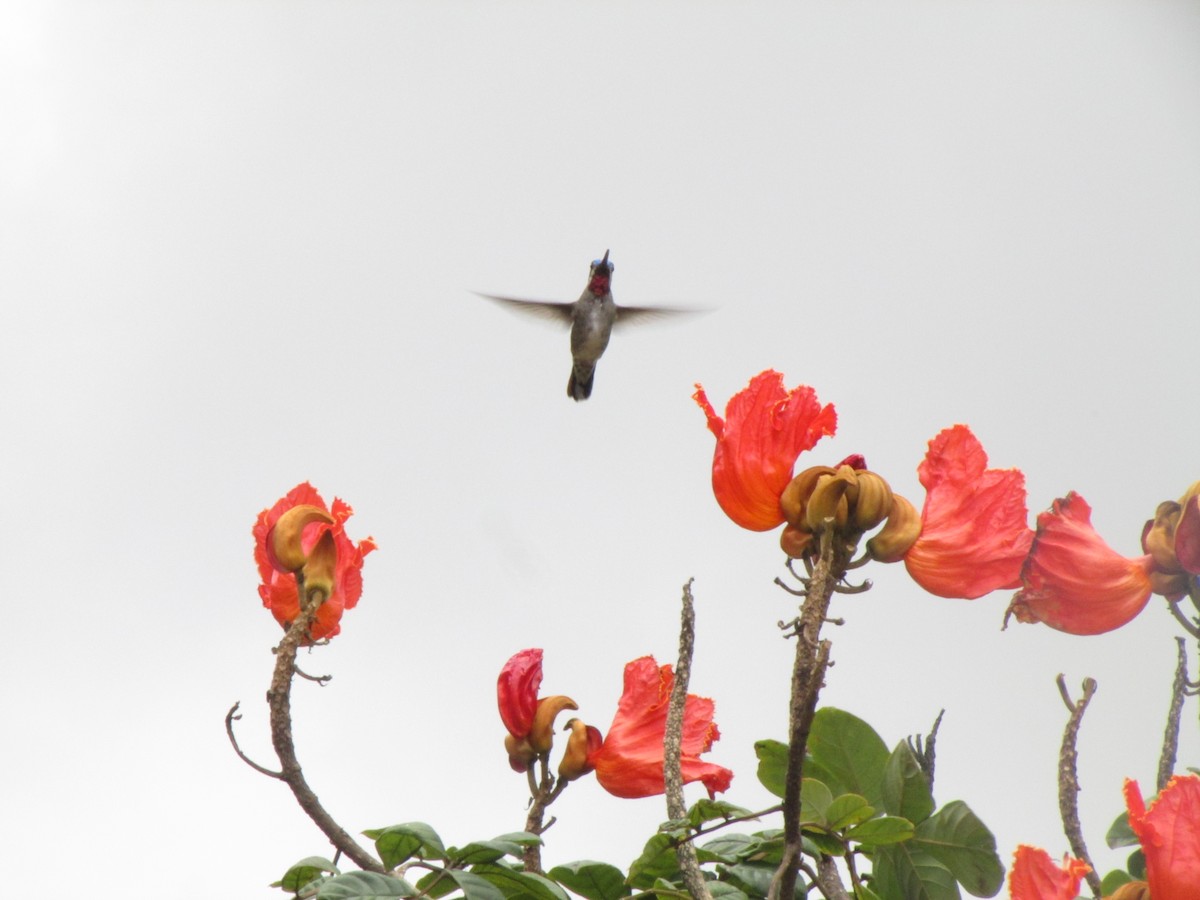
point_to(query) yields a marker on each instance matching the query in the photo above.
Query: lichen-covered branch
(1166, 761)
(1068, 780)
(808, 673)
(685, 853)
(280, 703)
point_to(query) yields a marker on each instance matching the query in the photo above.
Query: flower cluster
(971, 537)
(629, 761)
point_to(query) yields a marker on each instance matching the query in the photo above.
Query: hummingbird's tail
(579, 386)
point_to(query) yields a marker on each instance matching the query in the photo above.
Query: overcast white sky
(237, 242)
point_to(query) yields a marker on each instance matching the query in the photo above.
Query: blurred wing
(551, 312)
(637, 315)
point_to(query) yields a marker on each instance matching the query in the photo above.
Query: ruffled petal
(974, 526)
(517, 691)
(1073, 581)
(764, 430)
(1170, 834)
(1035, 876)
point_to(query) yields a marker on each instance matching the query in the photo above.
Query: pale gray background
(236, 245)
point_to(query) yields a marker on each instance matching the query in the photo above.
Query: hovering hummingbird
(591, 318)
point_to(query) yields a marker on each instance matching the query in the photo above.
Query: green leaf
(397, 843)
(847, 754)
(731, 848)
(1137, 865)
(719, 889)
(485, 852)
(1120, 834)
(881, 830)
(772, 765)
(956, 838)
(309, 869)
(475, 887)
(848, 810)
(905, 787)
(862, 892)
(436, 884)
(514, 884)
(1113, 880)
(754, 879)
(705, 810)
(901, 872)
(524, 838)
(592, 880)
(657, 861)
(823, 843)
(364, 886)
(815, 800)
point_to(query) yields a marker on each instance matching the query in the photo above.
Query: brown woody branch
(1068, 780)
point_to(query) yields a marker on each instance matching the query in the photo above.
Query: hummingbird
(592, 318)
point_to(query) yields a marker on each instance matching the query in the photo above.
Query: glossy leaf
(882, 830)
(1114, 880)
(863, 892)
(905, 787)
(815, 800)
(592, 880)
(437, 883)
(485, 852)
(754, 879)
(307, 870)
(706, 810)
(957, 839)
(902, 872)
(514, 884)
(847, 811)
(847, 754)
(475, 887)
(1120, 834)
(731, 848)
(772, 765)
(720, 890)
(365, 886)
(1136, 864)
(657, 861)
(398, 843)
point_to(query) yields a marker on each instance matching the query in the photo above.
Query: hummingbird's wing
(553, 312)
(636, 315)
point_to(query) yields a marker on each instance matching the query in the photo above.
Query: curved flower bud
(629, 763)
(1169, 831)
(899, 532)
(1187, 532)
(282, 545)
(1158, 537)
(1075, 582)
(541, 735)
(870, 500)
(320, 569)
(764, 430)
(828, 500)
(974, 532)
(795, 496)
(795, 542)
(1035, 876)
(583, 741)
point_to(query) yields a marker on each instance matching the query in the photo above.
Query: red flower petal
(974, 531)
(764, 430)
(1187, 535)
(1035, 876)
(517, 691)
(278, 589)
(629, 763)
(1075, 582)
(1170, 836)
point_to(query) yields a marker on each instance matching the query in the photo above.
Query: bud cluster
(850, 500)
(1172, 539)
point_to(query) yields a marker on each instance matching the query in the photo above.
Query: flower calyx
(582, 742)
(1172, 540)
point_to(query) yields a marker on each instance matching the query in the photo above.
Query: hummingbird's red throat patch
(599, 284)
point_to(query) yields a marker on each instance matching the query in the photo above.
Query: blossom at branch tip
(1073, 581)
(1172, 537)
(312, 541)
(528, 718)
(1035, 876)
(765, 429)
(629, 761)
(1169, 831)
(974, 525)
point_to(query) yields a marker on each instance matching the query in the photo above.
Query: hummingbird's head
(601, 275)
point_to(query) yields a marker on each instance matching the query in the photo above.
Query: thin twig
(685, 853)
(1068, 780)
(279, 701)
(725, 823)
(1166, 762)
(545, 793)
(229, 719)
(1189, 625)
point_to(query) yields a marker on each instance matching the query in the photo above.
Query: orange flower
(528, 718)
(278, 588)
(764, 430)
(1075, 582)
(1035, 876)
(974, 532)
(1170, 834)
(629, 762)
